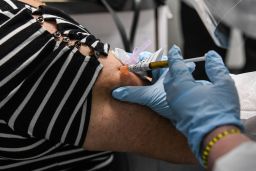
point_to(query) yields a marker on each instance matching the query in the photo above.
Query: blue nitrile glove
(199, 108)
(152, 96)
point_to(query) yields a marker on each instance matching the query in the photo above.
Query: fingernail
(175, 46)
(212, 53)
(119, 93)
(175, 52)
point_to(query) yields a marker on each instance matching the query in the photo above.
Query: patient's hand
(126, 127)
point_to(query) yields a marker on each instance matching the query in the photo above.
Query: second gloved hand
(199, 108)
(153, 96)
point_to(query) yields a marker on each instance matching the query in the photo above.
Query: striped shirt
(45, 91)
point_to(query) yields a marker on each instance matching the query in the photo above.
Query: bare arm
(128, 127)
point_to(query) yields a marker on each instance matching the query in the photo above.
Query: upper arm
(127, 127)
(41, 90)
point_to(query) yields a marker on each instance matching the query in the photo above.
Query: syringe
(158, 64)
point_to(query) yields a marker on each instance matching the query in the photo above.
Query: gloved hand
(156, 73)
(152, 96)
(199, 108)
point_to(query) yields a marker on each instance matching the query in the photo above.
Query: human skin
(223, 146)
(126, 127)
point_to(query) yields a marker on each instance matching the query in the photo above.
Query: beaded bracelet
(214, 140)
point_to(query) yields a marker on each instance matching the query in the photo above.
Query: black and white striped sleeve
(46, 87)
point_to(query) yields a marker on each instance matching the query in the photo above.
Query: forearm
(224, 145)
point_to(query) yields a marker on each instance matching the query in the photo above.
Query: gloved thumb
(191, 66)
(215, 68)
(133, 94)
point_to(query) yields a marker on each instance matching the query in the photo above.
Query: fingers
(191, 66)
(178, 69)
(215, 68)
(131, 94)
(157, 73)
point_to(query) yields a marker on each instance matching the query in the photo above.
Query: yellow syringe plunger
(158, 64)
(164, 64)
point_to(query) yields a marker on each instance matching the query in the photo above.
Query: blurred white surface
(246, 87)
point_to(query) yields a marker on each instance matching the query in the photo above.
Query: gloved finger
(178, 69)
(157, 73)
(215, 68)
(191, 66)
(133, 94)
(144, 55)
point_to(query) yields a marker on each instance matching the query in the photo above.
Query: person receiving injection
(207, 113)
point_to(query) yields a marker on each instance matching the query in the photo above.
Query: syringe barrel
(139, 67)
